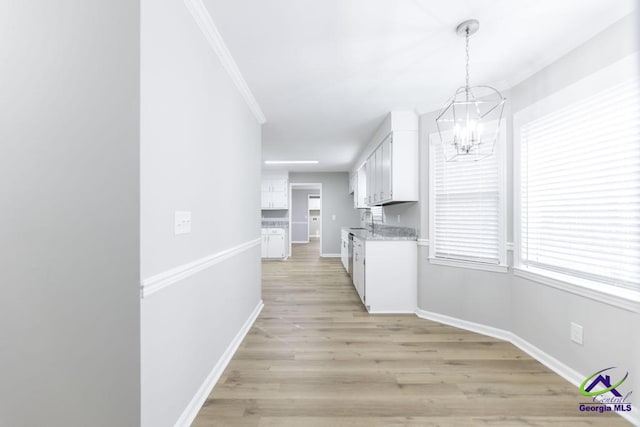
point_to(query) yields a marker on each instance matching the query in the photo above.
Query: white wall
(69, 255)
(537, 313)
(201, 152)
(337, 201)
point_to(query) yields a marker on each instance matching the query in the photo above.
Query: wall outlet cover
(576, 333)
(182, 222)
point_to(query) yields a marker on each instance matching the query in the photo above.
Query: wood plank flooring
(315, 357)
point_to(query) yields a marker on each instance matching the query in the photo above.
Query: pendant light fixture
(469, 122)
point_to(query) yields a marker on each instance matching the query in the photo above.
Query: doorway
(305, 218)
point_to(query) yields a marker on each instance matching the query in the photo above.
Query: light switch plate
(182, 222)
(576, 333)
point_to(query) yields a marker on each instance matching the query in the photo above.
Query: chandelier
(469, 122)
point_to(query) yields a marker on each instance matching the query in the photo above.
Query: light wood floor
(314, 357)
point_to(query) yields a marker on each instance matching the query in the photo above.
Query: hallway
(314, 357)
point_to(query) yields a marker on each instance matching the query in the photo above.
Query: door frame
(314, 185)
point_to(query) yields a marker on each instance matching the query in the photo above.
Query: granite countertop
(384, 232)
(274, 224)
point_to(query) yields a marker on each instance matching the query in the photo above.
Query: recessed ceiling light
(290, 162)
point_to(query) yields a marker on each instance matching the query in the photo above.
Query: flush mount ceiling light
(469, 121)
(290, 162)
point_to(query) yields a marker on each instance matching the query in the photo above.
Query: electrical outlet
(398, 218)
(576, 333)
(182, 222)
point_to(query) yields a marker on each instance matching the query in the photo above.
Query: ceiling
(326, 72)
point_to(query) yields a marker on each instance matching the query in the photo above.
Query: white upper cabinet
(275, 192)
(314, 203)
(392, 170)
(360, 190)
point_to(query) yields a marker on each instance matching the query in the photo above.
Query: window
(579, 204)
(466, 207)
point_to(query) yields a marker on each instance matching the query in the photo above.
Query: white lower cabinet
(273, 243)
(344, 250)
(359, 268)
(265, 243)
(385, 275)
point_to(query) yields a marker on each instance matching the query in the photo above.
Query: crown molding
(205, 22)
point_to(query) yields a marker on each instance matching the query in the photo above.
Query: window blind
(465, 207)
(580, 188)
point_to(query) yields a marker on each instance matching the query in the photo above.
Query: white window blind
(465, 203)
(580, 187)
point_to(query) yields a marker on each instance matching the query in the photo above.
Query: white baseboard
(192, 409)
(299, 241)
(549, 361)
(331, 255)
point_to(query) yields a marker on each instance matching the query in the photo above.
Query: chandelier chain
(467, 59)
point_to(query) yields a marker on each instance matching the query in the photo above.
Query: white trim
(496, 268)
(300, 241)
(205, 22)
(510, 246)
(423, 242)
(626, 299)
(432, 195)
(565, 371)
(392, 312)
(192, 409)
(153, 284)
(464, 324)
(331, 255)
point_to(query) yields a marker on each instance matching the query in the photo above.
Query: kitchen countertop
(381, 233)
(275, 224)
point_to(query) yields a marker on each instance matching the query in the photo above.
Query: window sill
(496, 268)
(619, 297)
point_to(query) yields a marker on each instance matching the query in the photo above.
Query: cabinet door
(276, 246)
(368, 199)
(358, 269)
(266, 185)
(279, 185)
(344, 254)
(279, 200)
(264, 247)
(362, 188)
(385, 172)
(378, 174)
(314, 204)
(266, 199)
(356, 192)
